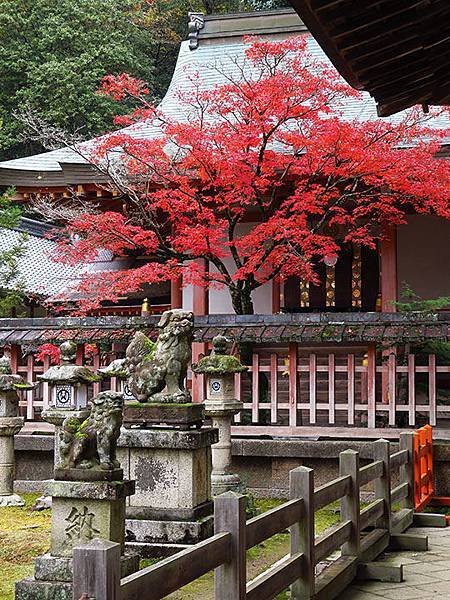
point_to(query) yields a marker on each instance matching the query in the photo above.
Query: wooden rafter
(398, 51)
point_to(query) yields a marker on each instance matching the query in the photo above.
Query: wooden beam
(408, 541)
(380, 572)
(429, 520)
(388, 256)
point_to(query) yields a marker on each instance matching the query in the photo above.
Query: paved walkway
(426, 574)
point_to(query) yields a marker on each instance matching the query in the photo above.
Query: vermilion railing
(423, 467)
(290, 389)
(334, 387)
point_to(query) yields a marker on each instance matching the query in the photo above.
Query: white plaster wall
(219, 299)
(188, 297)
(423, 255)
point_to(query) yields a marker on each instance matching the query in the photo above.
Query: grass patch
(24, 534)
(261, 556)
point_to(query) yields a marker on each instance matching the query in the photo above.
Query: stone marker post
(10, 424)
(88, 498)
(164, 445)
(221, 404)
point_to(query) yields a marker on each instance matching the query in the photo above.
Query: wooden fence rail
(301, 387)
(97, 564)
(339, 389)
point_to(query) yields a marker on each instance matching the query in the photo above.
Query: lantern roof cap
(116, 368)
(219, 362)
(10, 382)
(67, 371)
(69, 374)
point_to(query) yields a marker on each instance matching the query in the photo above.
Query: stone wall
(263, 465)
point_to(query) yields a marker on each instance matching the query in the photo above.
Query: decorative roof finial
(195, 25)
(68, 352)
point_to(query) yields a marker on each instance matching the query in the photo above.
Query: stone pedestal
(172, 505)
(81, 511)
(222, 478)
(220, 369)
(9, 426)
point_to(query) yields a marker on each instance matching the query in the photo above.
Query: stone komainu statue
(158, 371)
(92, 443)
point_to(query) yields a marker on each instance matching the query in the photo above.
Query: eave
(398, 51)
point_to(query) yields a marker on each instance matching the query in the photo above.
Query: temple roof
(39, 275)
(398, 51)
(213, 39)
(308, 328)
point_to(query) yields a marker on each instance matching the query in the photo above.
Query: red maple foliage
(264, 178)
(49, 350)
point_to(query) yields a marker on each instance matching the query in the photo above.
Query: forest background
(53, 56)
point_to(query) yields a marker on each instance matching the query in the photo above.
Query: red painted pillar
(176, 293)
(389, 283)
(200, 307)
(388, 260)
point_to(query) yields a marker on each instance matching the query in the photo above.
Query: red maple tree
(265, 177)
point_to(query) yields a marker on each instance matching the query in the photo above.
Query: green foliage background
(11, 284)
(54, 54)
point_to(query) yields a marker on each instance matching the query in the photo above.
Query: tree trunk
(241, 300)
(243, 305)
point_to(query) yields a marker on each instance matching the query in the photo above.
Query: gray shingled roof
(40, 275)
(220, 41)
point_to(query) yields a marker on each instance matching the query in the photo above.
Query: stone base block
(170, 514)
(155, 550)
(12, 500)
(227, 482)
(168, 532)
(53, 577)
(30, 589)
(182, 416)
(172, 468)
(88, 474)
(56, 568)
(82, 511)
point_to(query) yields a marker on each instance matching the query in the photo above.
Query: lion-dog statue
(157, 372)
(92, 443)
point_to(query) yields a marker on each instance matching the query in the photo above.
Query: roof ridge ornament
(195, 24)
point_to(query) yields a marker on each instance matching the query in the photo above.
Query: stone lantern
(69, 384)
(221, 404)
(10, 424)
(118, 369)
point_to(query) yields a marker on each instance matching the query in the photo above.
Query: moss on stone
(150, 348)
(219, 364)
(136, 404)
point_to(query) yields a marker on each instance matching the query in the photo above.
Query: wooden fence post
(407, 470)
(230, 579)
(96, 570)
(301, 485)
(350, 507)
(381, 451)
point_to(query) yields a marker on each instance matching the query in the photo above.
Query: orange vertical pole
(416, 470)
(293, 384)
(176, 293)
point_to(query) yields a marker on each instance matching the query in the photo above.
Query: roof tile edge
(250, 23)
